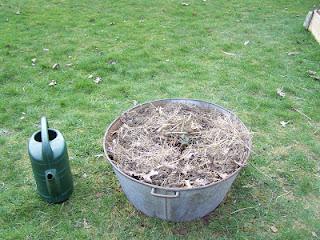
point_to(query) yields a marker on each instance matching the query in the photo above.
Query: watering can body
(50, 164)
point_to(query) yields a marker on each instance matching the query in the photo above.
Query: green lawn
(145, 50)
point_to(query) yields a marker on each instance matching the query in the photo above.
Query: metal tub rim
(216, 106)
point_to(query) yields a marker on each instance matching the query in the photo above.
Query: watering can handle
(47, 153)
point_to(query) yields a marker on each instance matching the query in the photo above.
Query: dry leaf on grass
(246, 42)
(229, 53)
(86, 224)
(33, 61)
(90, 76)
(313, 74)
(68, 64)
(97, 80)
(52, 83)
(18, 12)
(84, 175)
(274, 229)
(99, 194)
(46, 49)
(310, 72)
(185, 4)
(293, 53)
(280, 92)
(112, 62)
(283, 123)
(4, 132)
(181, 231)
(23, 116)
(55, 66)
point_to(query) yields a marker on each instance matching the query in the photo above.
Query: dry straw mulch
(179, 145)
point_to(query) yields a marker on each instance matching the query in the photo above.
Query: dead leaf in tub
(195, 126)
(147, 177)
(159, 109)
(187, 168)
(274, 229)
(280, 92)
(200, 182)
(187, 183)
(225, 151)
(223, 175)
(169, 165)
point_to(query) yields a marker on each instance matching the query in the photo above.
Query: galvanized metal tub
(172, 204)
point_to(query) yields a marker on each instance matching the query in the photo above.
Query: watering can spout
(52, 182)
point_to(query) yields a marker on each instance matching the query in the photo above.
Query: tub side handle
(153, 193)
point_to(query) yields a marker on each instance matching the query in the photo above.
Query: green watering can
(50, 164)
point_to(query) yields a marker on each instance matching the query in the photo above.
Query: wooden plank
(314, 26)
(308, 20)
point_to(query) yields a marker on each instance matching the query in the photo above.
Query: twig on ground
(242, 209)
(297, 110)
(284, 194)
